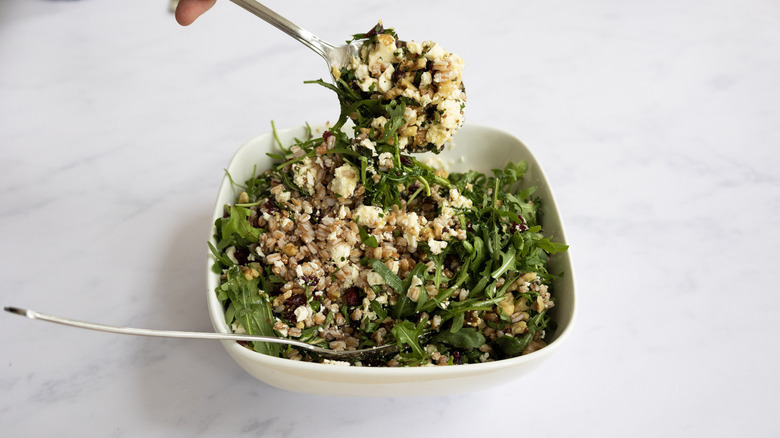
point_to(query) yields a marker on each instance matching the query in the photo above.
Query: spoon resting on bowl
(324, 353)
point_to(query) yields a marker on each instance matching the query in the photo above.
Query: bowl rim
(235, 349)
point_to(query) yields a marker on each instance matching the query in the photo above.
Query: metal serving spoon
(325, 353)
(335, 56)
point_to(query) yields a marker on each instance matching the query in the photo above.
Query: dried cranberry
(270, 206)
(457, 357)
(295, 301)
(326, 135)
(352, 296)
(242, 256)
(374, 362)
(310, 280)
(397, 74)
(519, 226)
(406, 161)
(376, 30)
(292, 303)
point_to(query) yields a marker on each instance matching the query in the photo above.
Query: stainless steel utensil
(325, 353)
(335, 56)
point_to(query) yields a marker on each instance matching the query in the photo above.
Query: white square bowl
(476, 148)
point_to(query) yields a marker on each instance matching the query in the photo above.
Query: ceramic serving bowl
(476, 147)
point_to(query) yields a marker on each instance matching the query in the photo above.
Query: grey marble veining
(657, 125)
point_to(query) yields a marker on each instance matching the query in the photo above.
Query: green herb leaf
(390, 278)
(368, 240)
(464, 338)
(407, 333)
(250, 308)
(551, 247)
(507, 263)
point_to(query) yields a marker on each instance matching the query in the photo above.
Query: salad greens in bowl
(370, 233)
(323, 237)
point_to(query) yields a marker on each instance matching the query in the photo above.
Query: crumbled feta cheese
(345, 181)
(282, 196)
(340, 363)
(435, 52)
(365, 81)
(231, 253)
(386, 161)
(374, 279)
(368, 144)
(436, 134)
(369, 216)
(457, 200)
(451, 114)
(410, 225)
(237, 328)
(425, 79)
(305, 175)
(384, 52)
(393, 265)
(339, 253)
(436, 246)
(385, 82)
(414, 47)
(379, 123)
(303, 312)
(414, 289)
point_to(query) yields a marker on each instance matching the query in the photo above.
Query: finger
(187, 11)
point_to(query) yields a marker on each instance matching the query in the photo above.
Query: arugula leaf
(250, 308)
(369, 241)
(407, 333)
(236, 229)
(464, 338)
(551, 247)
(390, 278)
(507, 263)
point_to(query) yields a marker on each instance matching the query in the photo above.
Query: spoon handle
(286, 26)
(148, 332)
(324, 353)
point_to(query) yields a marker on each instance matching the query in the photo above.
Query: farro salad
(349, 242)
(423, 77)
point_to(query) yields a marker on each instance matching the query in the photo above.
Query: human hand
(189, 10)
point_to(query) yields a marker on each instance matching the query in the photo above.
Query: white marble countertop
(657, 124)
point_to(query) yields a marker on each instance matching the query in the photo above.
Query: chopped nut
(519, 327)
(290, 249)
(507, 305)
